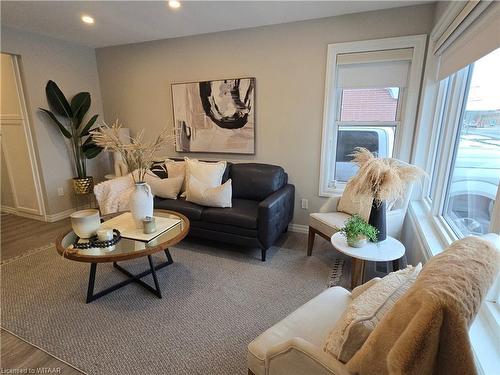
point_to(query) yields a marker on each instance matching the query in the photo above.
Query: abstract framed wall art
(215, 116)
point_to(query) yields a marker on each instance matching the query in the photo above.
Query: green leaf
(61, 127)
(57, 100)
(91, 150)
(86, 129)
(80, 104)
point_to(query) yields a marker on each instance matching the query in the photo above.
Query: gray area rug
(216, 300)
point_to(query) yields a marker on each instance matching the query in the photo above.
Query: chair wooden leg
(250, 372)
(310, 241)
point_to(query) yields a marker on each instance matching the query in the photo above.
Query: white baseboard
(298, 228)
(48, 218)
(9, 210)
(59, 215)
(14, 211)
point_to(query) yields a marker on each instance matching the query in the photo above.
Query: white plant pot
(141, 203)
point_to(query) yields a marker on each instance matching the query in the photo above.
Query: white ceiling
(122, 22)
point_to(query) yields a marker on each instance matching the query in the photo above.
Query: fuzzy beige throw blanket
(426, 332)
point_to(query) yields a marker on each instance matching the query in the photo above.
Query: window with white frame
(370, 101)
(466, 177)
(464, 194)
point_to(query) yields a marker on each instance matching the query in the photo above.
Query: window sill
(484, 336)
(485, 344)
(431, 234)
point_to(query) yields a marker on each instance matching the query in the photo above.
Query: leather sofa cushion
(256, 181)
(191, 210)
(223, 229)
(243, 213)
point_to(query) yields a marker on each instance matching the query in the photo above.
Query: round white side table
(384, 251)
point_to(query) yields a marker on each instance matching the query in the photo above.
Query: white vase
(141, 203)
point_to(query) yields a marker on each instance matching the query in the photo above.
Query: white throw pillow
(351, 203)
(365, 311)
(202, 194)
(209, 174)
(176, 169)
(167, 187)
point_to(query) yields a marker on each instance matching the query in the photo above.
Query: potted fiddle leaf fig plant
(357, 231)
(68, 117)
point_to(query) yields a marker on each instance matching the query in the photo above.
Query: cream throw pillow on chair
(351, 203)
(202, 194)
(365, 311)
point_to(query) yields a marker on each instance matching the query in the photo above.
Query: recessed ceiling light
(174, 4)
(88, 19)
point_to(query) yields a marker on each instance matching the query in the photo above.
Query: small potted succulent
(357, 231)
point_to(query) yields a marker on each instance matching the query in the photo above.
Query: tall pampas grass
(385, 179)
(137, 153)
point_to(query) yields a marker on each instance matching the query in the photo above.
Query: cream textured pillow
(351, 203)
(365, 311)
(176, 169)
(209, 174)
(166, 187)
(202, 194)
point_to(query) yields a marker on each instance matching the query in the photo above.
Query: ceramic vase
(141, 203)
(378, 219)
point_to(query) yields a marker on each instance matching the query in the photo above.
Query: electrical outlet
(305, 204)
(60, 191)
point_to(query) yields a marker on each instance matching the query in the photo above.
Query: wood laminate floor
(18, 354)
(19, 234)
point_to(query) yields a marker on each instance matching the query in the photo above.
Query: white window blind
(374, 69)
(473, 34)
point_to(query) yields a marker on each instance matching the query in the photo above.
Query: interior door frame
(24, 121)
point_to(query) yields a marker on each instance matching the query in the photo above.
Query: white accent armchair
(329, 221)
(294, 346)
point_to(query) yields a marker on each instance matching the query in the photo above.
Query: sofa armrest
(297, 356)
(274, 214)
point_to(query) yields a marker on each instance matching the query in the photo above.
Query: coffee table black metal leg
(169, 257)
(90, 290)
(155, 279)
(131, 278)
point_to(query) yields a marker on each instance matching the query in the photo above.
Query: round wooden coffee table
(126, 249)
(384, 251)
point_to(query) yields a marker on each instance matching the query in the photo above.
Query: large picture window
(464, 191)
(470, 198)
(370, 101)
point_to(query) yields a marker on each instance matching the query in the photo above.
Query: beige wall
(289, 63)
(74, 69)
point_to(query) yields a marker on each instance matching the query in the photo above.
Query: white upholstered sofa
(294, 346)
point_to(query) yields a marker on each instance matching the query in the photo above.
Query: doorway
(21, 192)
